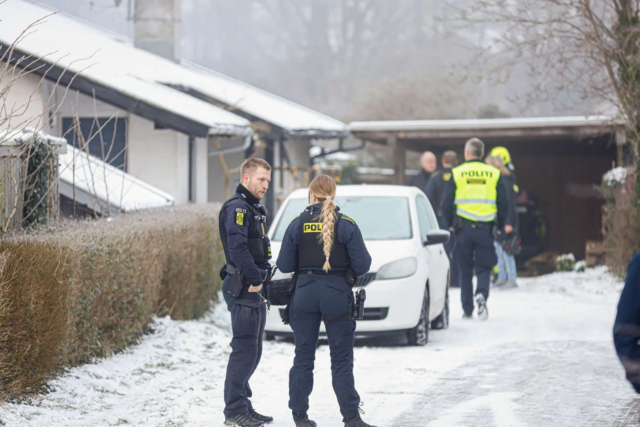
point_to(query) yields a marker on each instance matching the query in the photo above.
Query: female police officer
(323, 245)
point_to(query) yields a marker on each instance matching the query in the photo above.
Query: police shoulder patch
(241, 210)
(446, 176)
(240, 218)
(348, 219)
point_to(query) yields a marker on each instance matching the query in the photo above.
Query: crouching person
(326, 250)
(247, 251)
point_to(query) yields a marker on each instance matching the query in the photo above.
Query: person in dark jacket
(626, 330)
(507, 269)
(243, 225)
(435, 191)
(323, 246)
(429, 165)
(474, 200)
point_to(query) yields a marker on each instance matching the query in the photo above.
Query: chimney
(157, 27)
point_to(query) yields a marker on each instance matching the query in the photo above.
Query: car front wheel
(419, 335)
(442, 321)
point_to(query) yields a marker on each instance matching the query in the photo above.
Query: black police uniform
(435, 192)
(474, 249)
(243, 225)
(626, 330)
(320, 295)
(421, 180)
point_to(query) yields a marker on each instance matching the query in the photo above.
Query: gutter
(229, 150)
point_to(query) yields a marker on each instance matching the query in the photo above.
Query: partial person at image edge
(626, 330)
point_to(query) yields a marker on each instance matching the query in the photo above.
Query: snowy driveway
(544, 358)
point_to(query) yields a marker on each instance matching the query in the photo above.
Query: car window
(379, 218)
(291, 210)
(425, 219)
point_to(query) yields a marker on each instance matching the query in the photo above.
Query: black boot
(243, 420)
(302, 420)
(264, 418)
(356, 422)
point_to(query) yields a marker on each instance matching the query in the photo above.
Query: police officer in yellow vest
(474, 201)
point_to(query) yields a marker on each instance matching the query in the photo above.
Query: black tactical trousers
(247, 323)
(474, 251)
(319, 296)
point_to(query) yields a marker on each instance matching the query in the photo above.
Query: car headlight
(398, 269)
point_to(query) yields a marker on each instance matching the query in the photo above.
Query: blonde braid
(328, 218)
(323, 188)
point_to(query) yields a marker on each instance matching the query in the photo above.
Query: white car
(408, 284)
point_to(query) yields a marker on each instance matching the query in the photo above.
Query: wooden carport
(559, 163)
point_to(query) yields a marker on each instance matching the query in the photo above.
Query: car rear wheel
(442, 321)
(419, 335)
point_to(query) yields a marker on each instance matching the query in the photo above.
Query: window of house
(105, 138)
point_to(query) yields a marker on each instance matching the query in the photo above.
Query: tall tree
(586, 47)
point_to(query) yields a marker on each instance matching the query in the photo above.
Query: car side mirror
(437, 237)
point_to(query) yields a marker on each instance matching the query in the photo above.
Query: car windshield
(379, 218)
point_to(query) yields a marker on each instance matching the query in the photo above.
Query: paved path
(553, 365)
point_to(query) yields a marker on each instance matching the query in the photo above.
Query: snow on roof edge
(531, 122)
(147, 196)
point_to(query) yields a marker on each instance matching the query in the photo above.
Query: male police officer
(247, 250)
(435, 191)
(474, 199)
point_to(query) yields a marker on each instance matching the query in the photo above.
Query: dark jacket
(435, 191)
(626, 330)
(511, 186)
(348, 234)
(502, 202)
(421, 180)
(237, 234)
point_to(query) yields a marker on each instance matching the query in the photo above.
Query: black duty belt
(474, 224)
(323, 273)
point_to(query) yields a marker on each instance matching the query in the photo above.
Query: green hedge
(87, 289)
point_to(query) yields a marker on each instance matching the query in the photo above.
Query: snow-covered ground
(544, 358)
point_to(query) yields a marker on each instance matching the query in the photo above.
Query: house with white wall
(167, 122)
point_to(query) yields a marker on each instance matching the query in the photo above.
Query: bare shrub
(621, 224)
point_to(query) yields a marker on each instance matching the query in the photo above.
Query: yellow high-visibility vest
(476, 191)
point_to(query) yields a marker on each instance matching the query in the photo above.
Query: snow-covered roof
(20, 136)
(112, 63)
(291, 117)
(143, 75)
(95, 180)
(473, 124)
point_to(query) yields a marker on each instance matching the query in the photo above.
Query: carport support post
(621, 140)
(399, 159)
